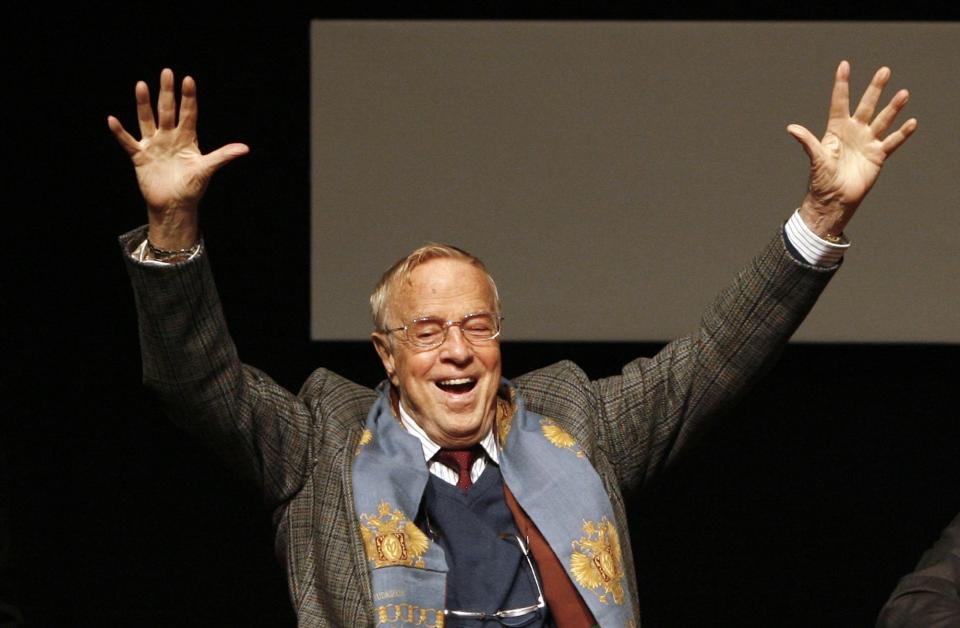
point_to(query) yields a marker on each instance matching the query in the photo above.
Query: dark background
(803, 509)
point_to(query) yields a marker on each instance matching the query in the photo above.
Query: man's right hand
(171, 171)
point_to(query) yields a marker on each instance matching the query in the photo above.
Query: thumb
(810, 144)
(220, 157)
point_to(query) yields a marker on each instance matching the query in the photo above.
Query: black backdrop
(804, 509)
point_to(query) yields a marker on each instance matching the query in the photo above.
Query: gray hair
(401, 270)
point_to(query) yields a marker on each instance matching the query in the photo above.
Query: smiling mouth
(457, 386)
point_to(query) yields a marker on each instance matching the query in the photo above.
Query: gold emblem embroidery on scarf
(505, 411)
(389, 538)
(596, 562)
(410, 614)
(365, 437)
(560, 437)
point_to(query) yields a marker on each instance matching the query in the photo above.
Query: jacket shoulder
(562, 391)
(335, 401)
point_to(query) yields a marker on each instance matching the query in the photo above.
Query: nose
(456, 348)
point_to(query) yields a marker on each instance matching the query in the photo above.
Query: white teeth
(456, 382)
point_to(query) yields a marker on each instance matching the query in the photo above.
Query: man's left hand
(845, 164)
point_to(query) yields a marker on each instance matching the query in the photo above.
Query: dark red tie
(461, 461)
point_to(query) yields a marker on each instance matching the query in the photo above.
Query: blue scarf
(547, 472)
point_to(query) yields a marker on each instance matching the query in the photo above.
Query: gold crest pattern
(389, 538)
(410, 614)
(506, 408)
(365, 437)
(560, 437)
(596, 562)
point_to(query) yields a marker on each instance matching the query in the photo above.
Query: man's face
(450, 390)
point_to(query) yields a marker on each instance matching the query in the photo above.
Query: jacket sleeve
(261, 430)
(930, 596)
(656, 406)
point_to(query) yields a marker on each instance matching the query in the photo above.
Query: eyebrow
(440, 318)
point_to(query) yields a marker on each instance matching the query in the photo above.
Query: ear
(385, 350)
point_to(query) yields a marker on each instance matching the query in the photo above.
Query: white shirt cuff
(814, 249)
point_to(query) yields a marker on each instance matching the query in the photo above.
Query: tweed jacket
(298, 449)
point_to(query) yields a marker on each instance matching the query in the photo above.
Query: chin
(464, 431)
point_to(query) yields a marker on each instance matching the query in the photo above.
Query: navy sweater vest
(486, 572)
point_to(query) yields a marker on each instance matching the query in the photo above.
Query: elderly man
(450, 496)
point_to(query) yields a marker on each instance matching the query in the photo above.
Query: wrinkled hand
(845, 164)
(171, 171)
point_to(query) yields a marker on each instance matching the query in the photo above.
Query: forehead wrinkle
(453, 286)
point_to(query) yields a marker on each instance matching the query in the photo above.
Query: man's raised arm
(263, 431)
(657, 404)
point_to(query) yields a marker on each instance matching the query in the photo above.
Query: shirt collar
(430, 448)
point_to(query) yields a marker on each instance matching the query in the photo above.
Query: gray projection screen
(616, 175)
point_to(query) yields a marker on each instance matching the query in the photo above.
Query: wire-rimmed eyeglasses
(430, 332)
(518, 614)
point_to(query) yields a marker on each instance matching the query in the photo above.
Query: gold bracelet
(166, 255)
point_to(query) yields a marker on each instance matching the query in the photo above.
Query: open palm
(171, 171)
(845, 163)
